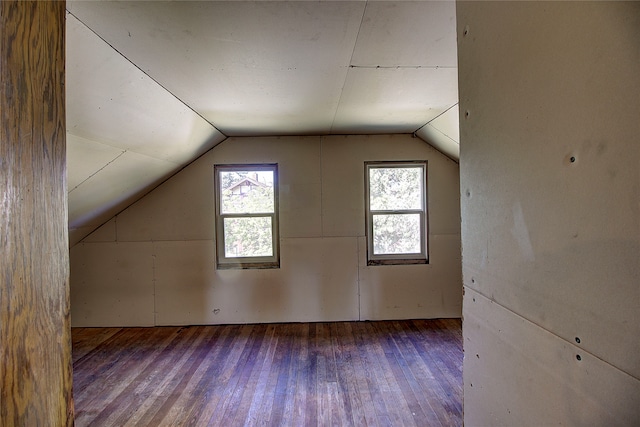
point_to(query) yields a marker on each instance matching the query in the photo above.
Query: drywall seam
(493, 300)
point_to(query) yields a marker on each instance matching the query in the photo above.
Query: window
(396, 207)
(247, 216)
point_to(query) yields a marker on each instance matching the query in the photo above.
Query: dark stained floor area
(388, 373)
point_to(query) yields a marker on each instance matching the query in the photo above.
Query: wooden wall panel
(35, 345)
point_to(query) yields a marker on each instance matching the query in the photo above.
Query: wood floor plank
(255, 414)
(296, 390)
(352, 378)
(405, 372)
(121, 409)
(422, 379)
(116, 370)
(188, 389)
(86, 340)
(245, 382)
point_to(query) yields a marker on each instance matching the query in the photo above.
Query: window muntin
(396, 209)
(247, 216)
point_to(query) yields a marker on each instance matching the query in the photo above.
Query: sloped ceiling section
(151, 85)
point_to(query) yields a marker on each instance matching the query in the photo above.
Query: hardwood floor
(391, 373)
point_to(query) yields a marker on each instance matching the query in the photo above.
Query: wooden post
(35, 344)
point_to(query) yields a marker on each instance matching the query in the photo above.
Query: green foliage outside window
(247, 192)
(394, 192)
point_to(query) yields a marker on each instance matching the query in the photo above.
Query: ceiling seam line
(440, 132)
(346, 76)
(436, 117)
(146, 74)
(98, 171)
(154, 187)
(540, 325)
(411, 67)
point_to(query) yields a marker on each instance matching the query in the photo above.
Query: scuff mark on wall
(520, 233)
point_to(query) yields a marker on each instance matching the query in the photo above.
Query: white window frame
(391, 259)
(224, 262)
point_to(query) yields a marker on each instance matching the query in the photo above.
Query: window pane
(396, 234)
(246, 192)
(247, 237)
(395, 188)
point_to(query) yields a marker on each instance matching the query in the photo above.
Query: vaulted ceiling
(151, 85)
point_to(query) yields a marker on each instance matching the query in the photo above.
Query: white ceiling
(151, 85)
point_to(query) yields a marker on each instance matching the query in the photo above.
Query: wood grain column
(35, 349)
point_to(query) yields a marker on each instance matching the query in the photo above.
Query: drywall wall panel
(112, 284)
(183, 207)
(551, 196)
(394, 98)
(318, 277)
(299, 176)
(113, 187)
(413, 291)
(112, 100)
(227, 59)
(443, 133)
(179, 209)
(79, 233)
(443, 187)
(105, 233)
(550, 183)
(85, 158)
(395, 33)
(516, 373)
(343, 177)
(316, 282)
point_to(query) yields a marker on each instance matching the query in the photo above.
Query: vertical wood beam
(35, 345)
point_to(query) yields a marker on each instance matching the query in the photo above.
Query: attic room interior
(320, 213)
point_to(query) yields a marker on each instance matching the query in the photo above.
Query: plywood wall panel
(35, 338)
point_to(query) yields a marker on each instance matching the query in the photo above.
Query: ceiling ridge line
(147, 74)
(344, 83)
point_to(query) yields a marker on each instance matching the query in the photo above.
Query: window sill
(397, 261)
(248, 266)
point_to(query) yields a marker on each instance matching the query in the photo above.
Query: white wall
(154, 264)
(551, 247)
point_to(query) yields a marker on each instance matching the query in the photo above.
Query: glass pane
(247, 237)
(246, 192)
(395, 188)
(396, 234)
